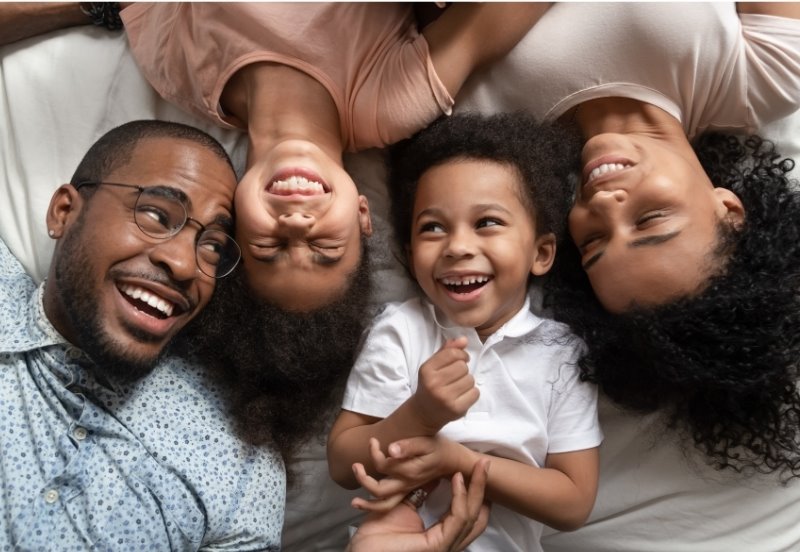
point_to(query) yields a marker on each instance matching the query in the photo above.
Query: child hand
(403, 474)
(445, 389)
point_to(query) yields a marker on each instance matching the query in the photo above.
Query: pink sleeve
(401, 95)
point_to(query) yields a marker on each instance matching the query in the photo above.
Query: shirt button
(73, 353)
(80, 433)
(51, 496)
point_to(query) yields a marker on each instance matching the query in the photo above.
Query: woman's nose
(603, 200)
(296, 222)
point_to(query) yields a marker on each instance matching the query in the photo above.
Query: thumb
(457, 343)
(408, 448)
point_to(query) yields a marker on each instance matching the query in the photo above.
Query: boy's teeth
(465, 281)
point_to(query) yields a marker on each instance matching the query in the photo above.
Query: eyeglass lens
(160, 214)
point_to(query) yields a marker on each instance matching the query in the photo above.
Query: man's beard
(82, 307)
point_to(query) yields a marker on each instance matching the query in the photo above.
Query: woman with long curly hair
(681, 271)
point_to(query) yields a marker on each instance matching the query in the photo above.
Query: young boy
(469, 371)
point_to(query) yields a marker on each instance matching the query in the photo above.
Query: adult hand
(401, 529)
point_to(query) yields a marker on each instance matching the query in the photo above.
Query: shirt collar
(49, 332)
(522, 323)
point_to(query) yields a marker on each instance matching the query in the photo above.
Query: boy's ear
(65, 205)
(544, 254)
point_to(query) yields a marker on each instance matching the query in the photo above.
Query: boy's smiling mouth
(465, 284)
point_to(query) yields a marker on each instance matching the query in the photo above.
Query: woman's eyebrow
(653, 240)
(638, 242)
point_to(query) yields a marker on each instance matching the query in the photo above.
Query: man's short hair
(115, 148)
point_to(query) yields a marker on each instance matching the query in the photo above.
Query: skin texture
(646, 227)
(469, 222)
(101, 249)
(646, 232)
(299, 242)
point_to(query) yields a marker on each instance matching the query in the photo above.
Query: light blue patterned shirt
(85, 465)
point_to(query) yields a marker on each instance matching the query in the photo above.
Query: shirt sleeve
(572, 420)
(772, 58)
(380, 380)
(401, 95)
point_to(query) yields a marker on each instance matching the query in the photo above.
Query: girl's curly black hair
(285, 371)
(721, 365)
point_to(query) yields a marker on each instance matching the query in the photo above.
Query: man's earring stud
(51, 232)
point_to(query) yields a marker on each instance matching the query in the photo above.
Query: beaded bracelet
(103, 14)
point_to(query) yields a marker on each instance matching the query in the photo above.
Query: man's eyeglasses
(160, 212)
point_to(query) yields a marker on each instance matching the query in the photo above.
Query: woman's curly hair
(285, 371)
(721, 365)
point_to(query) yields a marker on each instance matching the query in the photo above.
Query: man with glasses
(107, 441)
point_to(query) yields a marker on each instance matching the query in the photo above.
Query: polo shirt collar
(522, 323)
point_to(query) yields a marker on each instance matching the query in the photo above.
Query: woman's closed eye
(650, 218)
(590, 241)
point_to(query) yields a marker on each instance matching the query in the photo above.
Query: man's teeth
(606, 168)
(465, 281)
(148, 297)
(297, 184)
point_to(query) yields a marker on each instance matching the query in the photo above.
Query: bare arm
(781, 9)
(469, 34)
(445, 391)
(348, 441)
(20, 20)
(561, 494)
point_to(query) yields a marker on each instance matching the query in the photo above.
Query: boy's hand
(411, 464)
(445, 388)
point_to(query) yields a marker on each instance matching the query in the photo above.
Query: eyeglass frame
(202, 227)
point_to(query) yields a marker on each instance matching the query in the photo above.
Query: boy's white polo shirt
(531, 403)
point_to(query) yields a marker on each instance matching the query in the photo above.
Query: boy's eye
(431, 227)
(488, 222)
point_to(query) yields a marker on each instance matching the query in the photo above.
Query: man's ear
(544, 254)
(64, 208)
(364, 218)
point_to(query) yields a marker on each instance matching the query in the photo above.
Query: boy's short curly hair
(546, 158)
(723, 364)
